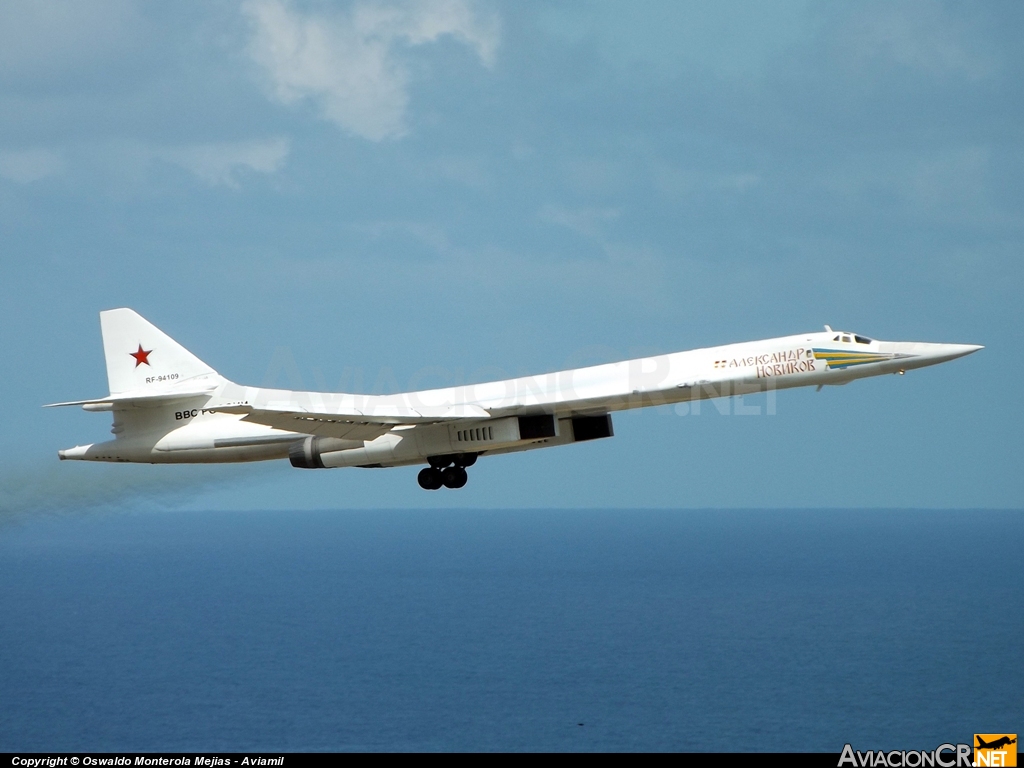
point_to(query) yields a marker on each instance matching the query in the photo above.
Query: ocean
(754, 630)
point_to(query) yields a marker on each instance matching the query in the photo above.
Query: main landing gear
(449, 471)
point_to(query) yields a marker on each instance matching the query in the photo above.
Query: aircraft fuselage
(171, 416)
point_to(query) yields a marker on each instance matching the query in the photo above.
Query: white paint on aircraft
(171, 407)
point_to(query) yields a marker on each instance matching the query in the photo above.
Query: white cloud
(220, 162)
(349, 64)
(27, 165)
(590, 223)
(919, 36)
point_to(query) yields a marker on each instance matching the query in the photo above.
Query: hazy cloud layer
(349, 63)
(223, 162)
(28, 165)
(921, 36)
(44, 41)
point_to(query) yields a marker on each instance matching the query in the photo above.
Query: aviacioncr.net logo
(943, 756)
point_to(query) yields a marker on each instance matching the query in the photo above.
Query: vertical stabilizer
(139, 355)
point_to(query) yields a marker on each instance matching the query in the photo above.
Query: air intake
(536, 427)
(591, 427)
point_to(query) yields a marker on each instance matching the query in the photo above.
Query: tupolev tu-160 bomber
(170, 407)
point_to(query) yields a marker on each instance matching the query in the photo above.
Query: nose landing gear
(449, 471)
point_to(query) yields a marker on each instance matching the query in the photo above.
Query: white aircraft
(171, 407)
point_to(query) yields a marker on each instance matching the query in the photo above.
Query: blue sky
(380, 195)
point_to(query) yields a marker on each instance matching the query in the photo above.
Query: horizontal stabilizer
(129, 399)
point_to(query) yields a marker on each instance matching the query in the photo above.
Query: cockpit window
(846, 338)
(862, 339)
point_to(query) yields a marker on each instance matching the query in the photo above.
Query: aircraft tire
(454, 477)
(429, 479)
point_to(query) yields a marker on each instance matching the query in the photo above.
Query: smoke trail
(48, 486)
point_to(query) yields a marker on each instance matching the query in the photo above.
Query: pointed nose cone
(940, 353)
(953, 351)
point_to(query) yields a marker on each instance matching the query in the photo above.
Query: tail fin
(138, 353)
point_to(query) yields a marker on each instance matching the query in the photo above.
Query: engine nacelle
(307, 454)
(415, 446)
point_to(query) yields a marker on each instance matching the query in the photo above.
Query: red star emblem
(142, 356)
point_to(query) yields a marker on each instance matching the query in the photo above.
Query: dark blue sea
(510, 630)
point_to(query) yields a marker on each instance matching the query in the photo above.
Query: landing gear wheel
(454, 477)
(429, 479)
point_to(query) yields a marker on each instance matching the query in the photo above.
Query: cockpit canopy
(851, 338)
